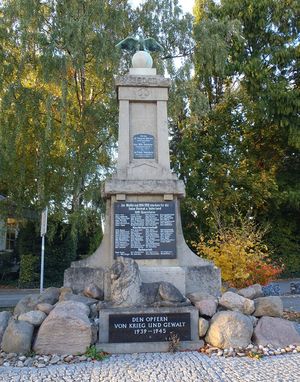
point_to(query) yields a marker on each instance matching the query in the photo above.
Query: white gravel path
(164, 367)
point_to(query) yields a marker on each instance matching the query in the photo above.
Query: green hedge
(29, 271)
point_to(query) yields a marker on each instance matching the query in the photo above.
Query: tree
(239, 145)
(58, 119)
(58, 109)
(165, 21)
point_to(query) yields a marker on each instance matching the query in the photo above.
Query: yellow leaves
(198, 10)
(52, 88)
(240, 253)
(59, 149)
(254, 355)
(30, 81)
(250, 9)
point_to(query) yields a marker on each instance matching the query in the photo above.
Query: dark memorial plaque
(149, 327)
(143, 146)
(145, 230)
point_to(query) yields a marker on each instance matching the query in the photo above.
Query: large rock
(78, 277)
(78, 298)
(268, 306)
(34, 317)
(204, 302)
(49, 296)
(169, 292)
(67, 330)
(276, 331)
(235, 302)
(229, 329)
(254, 320)
(64, 290)
(44, 307)
(30, 302)
(26, 304)
(203, 326)
(251, 292)
(93, 291)
(4, 318)
(17, 337)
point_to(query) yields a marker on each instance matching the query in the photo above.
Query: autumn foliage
(239, 251)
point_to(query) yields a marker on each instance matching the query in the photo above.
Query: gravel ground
(164, 367)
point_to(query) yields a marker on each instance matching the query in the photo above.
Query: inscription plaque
(149, 327)
(156, 81)
(143, 146)
(145, 230)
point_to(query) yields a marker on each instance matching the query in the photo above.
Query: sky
(186, 5)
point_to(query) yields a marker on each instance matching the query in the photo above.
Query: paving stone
(167, 367)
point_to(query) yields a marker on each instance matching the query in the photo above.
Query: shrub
(285, 239)
(7, 264)
(29, 271)
(239, 250)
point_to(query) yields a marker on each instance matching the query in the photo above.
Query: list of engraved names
(145, 230)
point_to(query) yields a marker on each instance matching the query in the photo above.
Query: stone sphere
(142, 59)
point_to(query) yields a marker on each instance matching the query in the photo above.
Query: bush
(61, 248)
(239, 250)
(8, 265)
(285, 239)
(59, 252)
(29, 271)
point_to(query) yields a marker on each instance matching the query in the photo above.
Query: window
(11, 234)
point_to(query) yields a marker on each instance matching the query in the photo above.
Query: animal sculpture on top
(134, 44)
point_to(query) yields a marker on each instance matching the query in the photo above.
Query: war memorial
(143, 224)
(143, 290)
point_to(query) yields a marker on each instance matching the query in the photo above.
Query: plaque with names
(143, 146)
(149, 327)
(145, 230)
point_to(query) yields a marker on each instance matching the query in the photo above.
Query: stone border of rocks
(57, 321)
(41, 361)
(43, 329)
(242, 318)
(251, 351)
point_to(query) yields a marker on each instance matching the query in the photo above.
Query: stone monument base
(148, 329)
(204, 277)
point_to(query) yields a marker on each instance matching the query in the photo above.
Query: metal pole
(42, 264)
